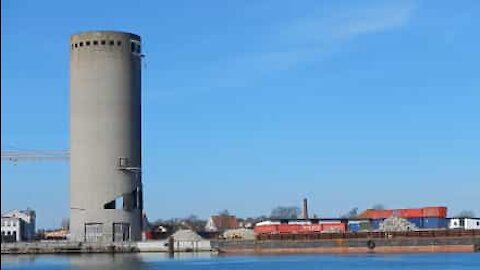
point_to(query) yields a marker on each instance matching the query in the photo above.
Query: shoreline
(355, 250)
(351, 246)
(257, 247)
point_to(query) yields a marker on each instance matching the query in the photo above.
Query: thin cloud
(374, 20)
(311, 39)
(302, 41)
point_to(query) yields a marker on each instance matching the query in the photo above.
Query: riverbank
(325, 246)
(67, 247)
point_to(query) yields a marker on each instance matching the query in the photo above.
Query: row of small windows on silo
(134, 47)
(96, 42)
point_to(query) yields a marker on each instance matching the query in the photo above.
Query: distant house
(18, 225)
(221, 223)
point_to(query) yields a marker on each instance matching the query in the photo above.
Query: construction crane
(30, 155)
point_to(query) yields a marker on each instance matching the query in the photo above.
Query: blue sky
(248, 105)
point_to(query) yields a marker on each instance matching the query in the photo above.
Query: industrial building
(18, 225)
(105, 137)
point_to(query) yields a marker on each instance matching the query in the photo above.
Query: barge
(365, 242)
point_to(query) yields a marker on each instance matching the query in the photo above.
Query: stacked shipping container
(423, 218)
(359, 225)
(298, 227)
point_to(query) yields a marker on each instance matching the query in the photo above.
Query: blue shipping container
(434, 223)
(376, 223)
(417, 221)
(354, 227)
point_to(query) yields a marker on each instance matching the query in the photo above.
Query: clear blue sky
(248, 105)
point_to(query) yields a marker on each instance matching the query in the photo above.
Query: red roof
(225, 222)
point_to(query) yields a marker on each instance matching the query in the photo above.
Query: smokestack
(305, 209)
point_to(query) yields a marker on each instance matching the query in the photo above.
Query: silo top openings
(106, 40)
(105, 136)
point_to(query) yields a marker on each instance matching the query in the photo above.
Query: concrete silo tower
(105, 137)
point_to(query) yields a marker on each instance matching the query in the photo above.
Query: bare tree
(378, 206)
(194, 223)
(285, 212)
(224, 213)
(466, 214)
(191, 217)
(351, 214)
(65, 225)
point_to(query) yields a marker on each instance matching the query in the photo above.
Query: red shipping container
(435, 212)
(289, 228)
(379, 214)
(409, 213)
(266, 229)
(311, 228)
(148, 235)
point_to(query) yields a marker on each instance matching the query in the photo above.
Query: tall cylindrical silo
(105, 137)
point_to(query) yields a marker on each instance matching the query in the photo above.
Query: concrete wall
(105, 127)
(55, 247)
(180, 246)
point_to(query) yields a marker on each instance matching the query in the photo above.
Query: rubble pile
(245, 234)
(186, 235)
(396, 224)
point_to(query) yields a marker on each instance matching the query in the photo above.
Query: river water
(457, 261)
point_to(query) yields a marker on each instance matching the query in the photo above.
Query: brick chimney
(305, 209)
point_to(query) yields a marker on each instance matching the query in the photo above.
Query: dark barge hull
(411, 242)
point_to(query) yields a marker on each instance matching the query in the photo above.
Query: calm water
(191, 261)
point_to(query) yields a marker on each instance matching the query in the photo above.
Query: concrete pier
(53, 247)
(63, 247)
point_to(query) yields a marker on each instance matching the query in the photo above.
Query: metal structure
(105, 137)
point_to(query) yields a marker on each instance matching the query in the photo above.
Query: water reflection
(105, 261)
(18, 259)
(128, 260)
(178, 256)
(96, 261)
(204, 261)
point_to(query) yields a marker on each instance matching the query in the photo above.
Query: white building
(464, 223)
(18, 225)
